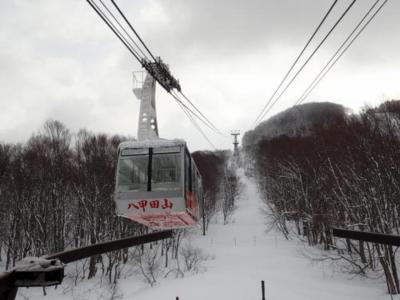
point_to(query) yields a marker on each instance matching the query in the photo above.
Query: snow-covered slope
(243, 255)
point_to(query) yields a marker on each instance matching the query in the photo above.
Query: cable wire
(325, 70)
(296, 60)
(113, 29)
(134, 31)
(205, 118)
(309, 58)
(176, 97)
(193, 121)
(123, 28)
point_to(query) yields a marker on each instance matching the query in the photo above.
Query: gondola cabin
(158, 184)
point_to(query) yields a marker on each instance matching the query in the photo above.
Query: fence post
(263, 289)
(203, 212)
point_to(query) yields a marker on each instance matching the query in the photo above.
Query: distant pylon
(235, 134)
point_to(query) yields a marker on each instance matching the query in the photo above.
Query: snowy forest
(335, 170)
(58, 188)
(317, 166)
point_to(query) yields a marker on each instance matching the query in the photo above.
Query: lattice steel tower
(235, 134)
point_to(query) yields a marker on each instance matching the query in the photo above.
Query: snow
(245, 254)
(152, 143)
(38, 263)
(242, 254)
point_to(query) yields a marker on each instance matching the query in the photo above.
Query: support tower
(144, 88)
(235, 134)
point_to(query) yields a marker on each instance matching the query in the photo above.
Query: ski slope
(245, 254)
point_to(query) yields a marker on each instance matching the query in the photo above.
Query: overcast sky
(59, 61)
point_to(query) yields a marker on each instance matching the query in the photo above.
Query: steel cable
(123, 28)
(193, 121)
(134, 31)
(309, 58)
(326, 69)
(113, 29)
(296, 60)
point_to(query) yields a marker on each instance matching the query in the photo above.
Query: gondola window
(166, 173)
(133, 173)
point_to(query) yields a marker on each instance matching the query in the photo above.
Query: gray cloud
(59, 61)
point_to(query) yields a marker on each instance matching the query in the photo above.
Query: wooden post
(203, 212)
(263, 289)
(8, 291)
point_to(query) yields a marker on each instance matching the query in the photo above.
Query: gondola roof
(153, 143)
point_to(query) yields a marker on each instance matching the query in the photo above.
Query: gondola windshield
(165, 165)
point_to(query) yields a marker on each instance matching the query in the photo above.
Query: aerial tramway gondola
(157, 181)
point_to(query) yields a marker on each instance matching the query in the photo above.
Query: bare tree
(344, 173)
